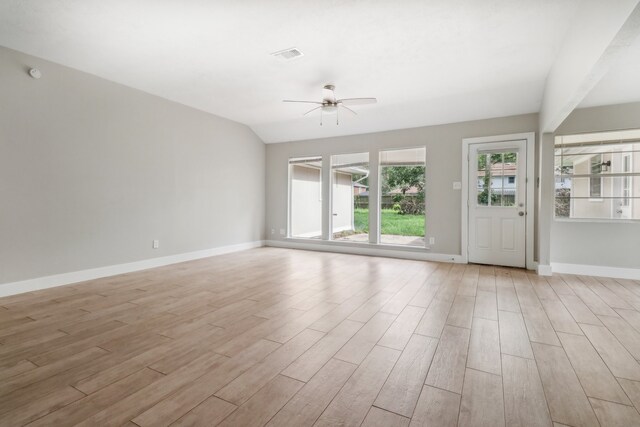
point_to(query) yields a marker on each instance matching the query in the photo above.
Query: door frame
(530, 138)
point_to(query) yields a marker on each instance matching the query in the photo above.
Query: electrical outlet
(282, 232)
(432, 240)
(457, 185)
(273, 231)
(156, 244)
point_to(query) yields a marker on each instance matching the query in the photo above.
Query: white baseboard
(596, 270)
(364, 249)
(113, 270)
(544, 269)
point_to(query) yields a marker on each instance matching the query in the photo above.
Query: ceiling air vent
(288, 54)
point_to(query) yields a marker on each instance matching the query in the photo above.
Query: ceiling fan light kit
(331, 105)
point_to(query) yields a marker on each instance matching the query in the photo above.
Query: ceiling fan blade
(347, 108)
(313, 109)
(357, 101)
(305, 102)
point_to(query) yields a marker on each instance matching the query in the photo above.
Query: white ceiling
(427, 62)
(621, 84)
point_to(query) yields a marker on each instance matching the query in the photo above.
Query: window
(512, 180)
(596, 176)
(402, 200)
(305, 197)
(344, 215)
(350, 197)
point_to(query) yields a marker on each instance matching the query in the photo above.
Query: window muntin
(350, 197)
(597, 177)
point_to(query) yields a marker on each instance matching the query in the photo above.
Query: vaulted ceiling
(427, 62)
(621, 84)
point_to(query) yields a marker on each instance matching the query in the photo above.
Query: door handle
(521, 213)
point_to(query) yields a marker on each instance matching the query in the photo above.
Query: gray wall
(597, 243)
(91, 172)
(444, 152)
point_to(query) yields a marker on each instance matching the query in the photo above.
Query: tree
(403, 178)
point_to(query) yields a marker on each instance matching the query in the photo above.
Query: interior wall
(444, 153)
(91, 172)
(598, 243)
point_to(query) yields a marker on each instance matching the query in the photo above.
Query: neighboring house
(306, 206)
(503, 176)
(603, 196)
(306, 200)
(360, 189)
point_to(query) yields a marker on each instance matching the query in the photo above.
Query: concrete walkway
(389, 239)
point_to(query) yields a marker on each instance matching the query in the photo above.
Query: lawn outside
(391, 223)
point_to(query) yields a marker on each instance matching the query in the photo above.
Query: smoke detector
(35, 73)
(288, 54)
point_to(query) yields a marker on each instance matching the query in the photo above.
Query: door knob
(521, 213)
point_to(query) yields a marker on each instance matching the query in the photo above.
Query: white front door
(497, 203)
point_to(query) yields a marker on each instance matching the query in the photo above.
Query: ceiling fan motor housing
(329, 107)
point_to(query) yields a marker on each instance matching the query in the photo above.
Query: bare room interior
(337, 213)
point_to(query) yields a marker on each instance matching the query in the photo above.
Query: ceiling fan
(330, 104)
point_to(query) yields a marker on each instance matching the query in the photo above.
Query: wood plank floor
(293, 338)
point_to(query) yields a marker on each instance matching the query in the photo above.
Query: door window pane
(484, 178)
(402, 200)
(350, 197)
(497, 178)
(305, 197)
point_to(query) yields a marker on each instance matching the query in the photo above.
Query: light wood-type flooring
(293, 338)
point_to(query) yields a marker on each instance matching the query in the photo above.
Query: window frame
(289, 233)
(374, 156)
(612, 138)
(379, 204)
(331, 186)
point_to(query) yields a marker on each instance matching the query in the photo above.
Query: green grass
(391, 223)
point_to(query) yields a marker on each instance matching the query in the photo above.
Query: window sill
(403, 248)
(599, 220)
(596, 200)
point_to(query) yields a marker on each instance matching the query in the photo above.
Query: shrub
(409, 205)
(563, 203)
